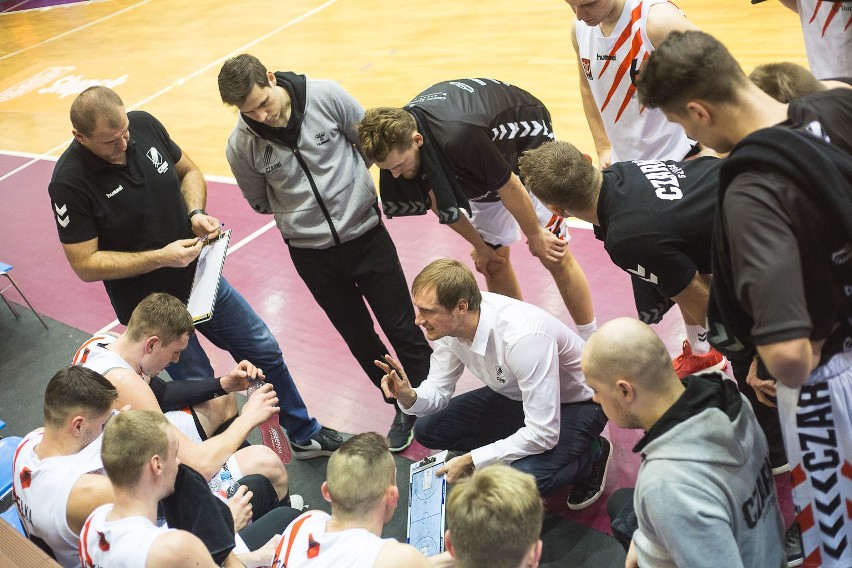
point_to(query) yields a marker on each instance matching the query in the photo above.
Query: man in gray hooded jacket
(294, 155)
(705, 491)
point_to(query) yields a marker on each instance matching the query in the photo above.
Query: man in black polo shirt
(129, 208)
(456, 145)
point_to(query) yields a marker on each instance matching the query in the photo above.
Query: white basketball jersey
(94, 355)
(306, 544)
(611, 64)
(827, 27)
(116, 544)
(42, 488)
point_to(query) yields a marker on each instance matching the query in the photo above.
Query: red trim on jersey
(296, 526)
(635, 15)
(635, 47)
(14, 492)
(835, 8)
(629, 95)
(816, 9)
(85, 558)
(84, 348)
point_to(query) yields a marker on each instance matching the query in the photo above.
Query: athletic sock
(697, 337)
(587, 329)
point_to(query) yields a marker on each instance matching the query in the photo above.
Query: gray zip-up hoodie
(319, 189)
(705, 495)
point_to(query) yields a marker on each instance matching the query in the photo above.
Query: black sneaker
(401, 433)
(793, 546)
(324, 443)
(586, 492)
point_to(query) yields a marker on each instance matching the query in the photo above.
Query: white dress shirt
(521, 352)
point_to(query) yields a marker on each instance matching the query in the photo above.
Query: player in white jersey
(827, 28)
(157, 332)
(361, 486)
(140, 458)
(122, 543)
(612, 38)
(57, 471)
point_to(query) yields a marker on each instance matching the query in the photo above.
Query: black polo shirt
(128, 208)
(656, 219)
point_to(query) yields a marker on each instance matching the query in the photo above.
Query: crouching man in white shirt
(535, 411)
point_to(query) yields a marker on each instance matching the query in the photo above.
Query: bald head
(629, 349)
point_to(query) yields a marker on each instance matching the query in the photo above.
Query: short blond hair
(452, 282)
(130, 440)
(494, 517)
(358, 475)
(384, 129)
(785, 81)
(162, 315)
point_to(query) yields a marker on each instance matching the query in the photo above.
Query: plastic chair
(8, 512)
(4, 272)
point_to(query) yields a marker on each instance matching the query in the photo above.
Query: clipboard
(427, 505)
(208, 273)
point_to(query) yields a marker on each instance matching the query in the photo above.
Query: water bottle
(270, 430)
(228, 486)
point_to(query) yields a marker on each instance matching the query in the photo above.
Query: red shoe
(688, 363)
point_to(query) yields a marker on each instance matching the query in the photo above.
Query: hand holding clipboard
(208, 272)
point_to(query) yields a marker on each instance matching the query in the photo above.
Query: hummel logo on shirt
(61, 216)
(114, 191)
(643, 274)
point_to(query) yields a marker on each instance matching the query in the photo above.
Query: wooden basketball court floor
(163, 57)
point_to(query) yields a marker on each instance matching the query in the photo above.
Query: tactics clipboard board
(427, 497)
(208, 273)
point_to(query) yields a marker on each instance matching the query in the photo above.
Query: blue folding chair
(4, 272)
(7, 453)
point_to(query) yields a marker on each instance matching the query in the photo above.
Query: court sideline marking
(180, 81)
(77, 29)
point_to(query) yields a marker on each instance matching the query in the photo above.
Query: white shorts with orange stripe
(183, 421)
(817, 425)
(498, 227)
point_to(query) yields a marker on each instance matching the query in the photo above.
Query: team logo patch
(102, 542)
(26, 477)
(313, 547)
(268, 156)
(157, 159)
(587, 67)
